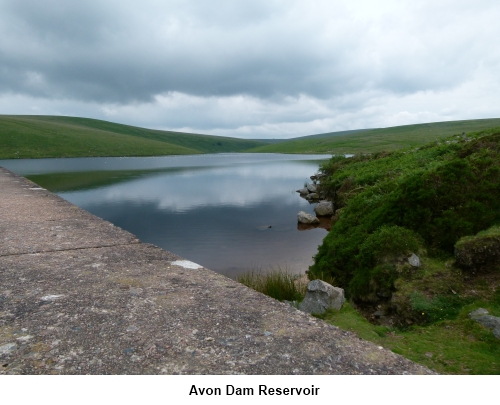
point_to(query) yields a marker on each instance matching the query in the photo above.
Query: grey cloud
(111, 51)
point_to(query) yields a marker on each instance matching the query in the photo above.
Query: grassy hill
(376, 140)
(54, 136)
(50, 136)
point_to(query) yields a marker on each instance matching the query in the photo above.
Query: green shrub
(480, 252)
(439, 194)
(380, 261)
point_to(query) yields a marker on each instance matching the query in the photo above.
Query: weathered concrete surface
(80, 296)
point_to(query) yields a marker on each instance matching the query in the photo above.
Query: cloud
(268, 68)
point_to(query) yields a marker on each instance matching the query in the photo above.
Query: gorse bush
(380, 260)
(397, 203)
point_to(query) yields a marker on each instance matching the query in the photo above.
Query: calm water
(212, 209)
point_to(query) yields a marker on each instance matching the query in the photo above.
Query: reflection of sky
(37, 166)
(220, 186)
(216, 211)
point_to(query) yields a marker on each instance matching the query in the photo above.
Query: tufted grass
(276, 283)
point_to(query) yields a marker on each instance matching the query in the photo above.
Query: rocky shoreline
(324, 209)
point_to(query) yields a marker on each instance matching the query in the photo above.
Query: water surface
(228, 212)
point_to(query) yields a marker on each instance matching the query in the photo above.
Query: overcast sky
(252, 69)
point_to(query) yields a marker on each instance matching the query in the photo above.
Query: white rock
(186, 264)
(414, 260)
(305, 218)
(51, 297)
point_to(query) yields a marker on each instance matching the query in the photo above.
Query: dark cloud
(128, 53)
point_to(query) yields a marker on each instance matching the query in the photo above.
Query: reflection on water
(230, 213)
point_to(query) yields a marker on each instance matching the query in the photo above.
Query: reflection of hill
(75, 181)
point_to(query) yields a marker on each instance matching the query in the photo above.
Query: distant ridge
(377, 139)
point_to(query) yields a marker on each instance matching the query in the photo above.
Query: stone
(303, 191)
(320, 296)
(324, 208)
(186, 264)
(312, 196)
(305, 218)
(478, 312)
(491, 322)
(414, 260)
(311, 188)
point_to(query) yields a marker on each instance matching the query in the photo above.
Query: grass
(48, 136)
(456, 345)
(376, 140)
(276, 283)
(459, 346)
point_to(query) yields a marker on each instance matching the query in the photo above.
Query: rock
(305, 218)
(414, 260)
(324, 208)
(478, 312)
(320, 296)
(303, 191)
(489, 321)
(312, 196)
(312, 188)
(379, 313)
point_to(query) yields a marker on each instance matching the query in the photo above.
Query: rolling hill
(51, 136)
(375, 140)
(25, 136)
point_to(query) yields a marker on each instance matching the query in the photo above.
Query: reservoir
(231, 213)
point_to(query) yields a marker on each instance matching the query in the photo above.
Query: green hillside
(23, 136)
(376, 140)
(51, 136)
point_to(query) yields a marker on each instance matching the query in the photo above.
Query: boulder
(303, 191)
(305, 218)
(312, 188)
(320, 296)
(482, 316)
(324, 209)
(414, 260)
(312, 196)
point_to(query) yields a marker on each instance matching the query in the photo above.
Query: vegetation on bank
(442, 202)
(416, 201)
(47, 136)
(276, 283)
